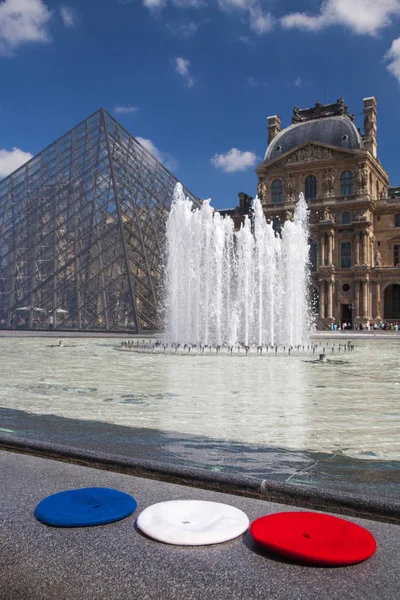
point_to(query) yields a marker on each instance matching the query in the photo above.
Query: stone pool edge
(373, 508)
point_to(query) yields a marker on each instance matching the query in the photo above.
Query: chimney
(274, 127)
(370, 113)
(244, 203)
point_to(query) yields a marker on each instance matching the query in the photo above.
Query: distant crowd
(381, 326)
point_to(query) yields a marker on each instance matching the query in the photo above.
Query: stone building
(354, 213)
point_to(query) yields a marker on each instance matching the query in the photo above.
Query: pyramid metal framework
(82, 226)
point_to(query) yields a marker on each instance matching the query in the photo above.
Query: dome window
(345, 138)
(277, 191)
(311, 187)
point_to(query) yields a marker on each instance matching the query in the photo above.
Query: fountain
(248, 287)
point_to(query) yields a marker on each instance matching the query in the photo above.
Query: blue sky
(194, 79)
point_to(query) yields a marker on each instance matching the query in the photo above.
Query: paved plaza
(116, 562)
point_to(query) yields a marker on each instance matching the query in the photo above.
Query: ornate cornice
(309, 154)
(321, 111)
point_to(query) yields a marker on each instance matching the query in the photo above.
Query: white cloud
(21, 22)
(188, 3)
(185, 30)
(68, 16)
(234, 160)
(234, 4)
(298, 82)
(164, 157)
(260, 22)
(155, 5)
(148, 144)
(361, 16)
(303, 21)
(245, 39)
(10, 160)
(182, 66)
(255, 82)
(394, 56)
(125, 109)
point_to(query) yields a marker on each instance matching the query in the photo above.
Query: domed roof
(337, 131)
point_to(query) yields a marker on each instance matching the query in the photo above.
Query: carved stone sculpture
(329, 183)
(378, 258)
(362, 179)
(327, 215)
(262, 190)
(290, 187)
(309, 154)
(370, 125)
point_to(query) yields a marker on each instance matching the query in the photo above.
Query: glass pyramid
(82, 227)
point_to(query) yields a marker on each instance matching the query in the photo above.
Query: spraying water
(227, 287)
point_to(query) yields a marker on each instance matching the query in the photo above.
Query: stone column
(378, 299)
(357, 241)
(336, 304)
(364, 239)
(330, 299)
(330, 247)
(370, 305)
(322, 249)
(322, 299)
(357, 299)
(365, 287)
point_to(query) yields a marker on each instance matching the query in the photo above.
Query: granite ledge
(368, 507)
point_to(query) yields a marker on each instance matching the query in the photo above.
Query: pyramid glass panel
(82, 228)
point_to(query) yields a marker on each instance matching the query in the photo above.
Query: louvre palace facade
(354, 212)
(81, 233)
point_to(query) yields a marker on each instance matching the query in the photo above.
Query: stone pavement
(117, 562)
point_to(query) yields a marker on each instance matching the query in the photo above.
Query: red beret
(314, 538)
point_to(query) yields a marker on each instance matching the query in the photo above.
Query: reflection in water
(346, 406)
(234, 398)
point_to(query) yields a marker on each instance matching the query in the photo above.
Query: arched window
(346, 218)
(311, 187)
(277, 191)
(346, 183)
